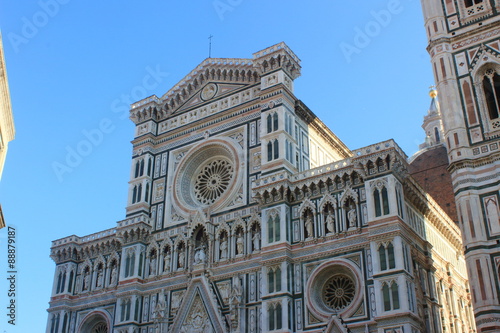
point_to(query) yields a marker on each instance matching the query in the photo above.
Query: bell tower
(464, 45)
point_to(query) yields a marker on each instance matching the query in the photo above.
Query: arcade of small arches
(203, 248)
(324, 182)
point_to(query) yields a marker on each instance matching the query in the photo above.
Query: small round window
(334, 287)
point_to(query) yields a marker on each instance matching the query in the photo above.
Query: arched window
(279, 316)
(129, 264)
(137, 308)
(146, 196)
(381, 201)
(137, 166)
(269, 123)
(272, 317)
(54, 325)
(141, 172)
(387, 297)
(70, 284)
(390, 296)
(276, 149)
(65, 324)
(63, 282)
(390, 256)
(436, 135)
(275, 121)
(273, 229)
(275, 316)
(274, 279)
(139, 192)
(382, 258)
(491, 88)
(150, 165)
(269, 151)
(376, 200)
(278, 279)
(386, 257)
(59, 280)
(385, 201)
(134, 194)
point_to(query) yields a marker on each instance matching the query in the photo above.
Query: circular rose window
(339, 291)
(334, 287)
(207, 176)
(212, 181)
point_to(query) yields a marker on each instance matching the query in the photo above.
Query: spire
(432, 124)
(434, 107)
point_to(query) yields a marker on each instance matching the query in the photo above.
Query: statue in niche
(239, 244)
(166, 262)
(182, 258)
(199, 256)
(152, 265)
(256, 240)
(114, 276)
(223, 247)
(86, 281)
(309, 227)
(351, 216)
(330, 223)
(100, 278)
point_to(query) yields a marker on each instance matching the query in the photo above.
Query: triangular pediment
(484, 55)
(218, 89)
(213, 78)
(199, 311)
(335, 326)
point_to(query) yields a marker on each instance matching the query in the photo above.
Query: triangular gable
(335, 326)
(199, 311)
(485, 54)
(197, 98)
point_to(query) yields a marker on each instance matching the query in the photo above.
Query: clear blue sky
(73, 65)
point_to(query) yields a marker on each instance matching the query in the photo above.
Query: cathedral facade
(247, 214)
(464, 45)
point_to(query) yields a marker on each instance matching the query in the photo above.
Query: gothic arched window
(381, 200)
(141, 172)
(390, 294)
(273, 229)
(70, 284)
(386, 257)
(275, 122)
(491, 88)
(276, 149)
(134, 194)
(275, 316)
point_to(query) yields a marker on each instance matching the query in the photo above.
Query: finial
(433, 92)
(210, 46)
